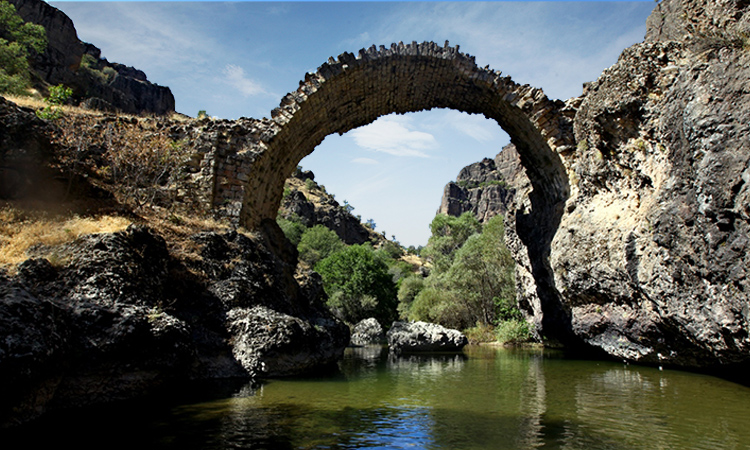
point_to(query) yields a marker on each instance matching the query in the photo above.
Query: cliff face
(486, 188)
(651, 257)
(96, 82)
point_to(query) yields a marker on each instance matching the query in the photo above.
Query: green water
(485, 398)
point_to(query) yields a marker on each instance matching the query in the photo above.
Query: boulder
(367, 331)
(405, 337)
(269, 343)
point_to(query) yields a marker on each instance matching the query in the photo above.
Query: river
(483, 398)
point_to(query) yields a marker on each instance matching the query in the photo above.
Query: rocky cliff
(111, 316)
(486, 188)
(96, 83)
(650, 259)
(307, 201)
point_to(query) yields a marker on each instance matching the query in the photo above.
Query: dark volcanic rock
(367, 331)
(406, 337)
(122, 318)
(24, 148)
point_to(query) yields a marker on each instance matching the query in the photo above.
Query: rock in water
(367, 331)
(424, 337)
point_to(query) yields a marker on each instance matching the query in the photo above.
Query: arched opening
(395, 169)
(350, 92)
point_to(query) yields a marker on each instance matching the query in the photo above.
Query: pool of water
(483, 398)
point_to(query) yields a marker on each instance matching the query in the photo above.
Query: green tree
(483, 273)
(448, 235)
(317, 243)
(407, 292)
(358, 285)
(472, 285)
(292, 227)
(17, 40)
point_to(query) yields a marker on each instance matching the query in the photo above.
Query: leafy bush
(472, 284)
(293, 228)
(57, 97)
(481, 332)
(317, 243)
(358, 285)
(513, 331)
(407, 292)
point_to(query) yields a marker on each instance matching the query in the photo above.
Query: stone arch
(352, 91)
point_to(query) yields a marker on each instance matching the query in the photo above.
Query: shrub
(293, 228)
(57, 97)
(407, 292)
(481, 332)
(513, 331)
(358, 285)
(317, 243)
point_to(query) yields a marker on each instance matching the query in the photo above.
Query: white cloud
(366, 161)
(235, 77)
(393, 135)
(475, 126)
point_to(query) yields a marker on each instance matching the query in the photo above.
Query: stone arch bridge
(353, 91)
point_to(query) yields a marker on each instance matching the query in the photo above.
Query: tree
(448, 235)
(483, 273)
(292, 227)
(358, 285)
(471, 285)
(318, 243)
(17, 40)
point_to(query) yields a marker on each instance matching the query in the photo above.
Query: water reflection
(484, 398)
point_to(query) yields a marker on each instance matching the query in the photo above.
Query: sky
(238, 59)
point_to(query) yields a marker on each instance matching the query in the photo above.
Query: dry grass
(37, 103)
(20, 231)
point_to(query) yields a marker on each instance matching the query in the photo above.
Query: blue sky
(239, 59)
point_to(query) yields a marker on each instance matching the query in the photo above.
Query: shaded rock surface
(406, 337)
(367, 331)
(121, 318)
(95, 81)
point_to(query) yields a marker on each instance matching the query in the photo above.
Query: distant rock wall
(486, 188)
(119, 88)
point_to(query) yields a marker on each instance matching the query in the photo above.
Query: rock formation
(409, 337)
(322, 209)
(486, 188)
(367, 331)
(96, 82)
(120, 316)
(651, 256)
